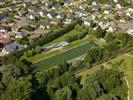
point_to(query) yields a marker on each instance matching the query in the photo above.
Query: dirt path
(129, 55)
(128, 98)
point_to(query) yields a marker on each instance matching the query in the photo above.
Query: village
(25, 21)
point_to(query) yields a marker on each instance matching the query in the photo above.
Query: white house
(31, 17)
(49, 16)
(130, 31)
(41, 14)
(112, 28)
(20, 35)
(104, 25)
(118, 6)
(58, 17)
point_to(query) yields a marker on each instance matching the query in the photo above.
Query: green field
(65, 56)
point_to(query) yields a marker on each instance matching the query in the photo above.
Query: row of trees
(33, 51)
(76, 36)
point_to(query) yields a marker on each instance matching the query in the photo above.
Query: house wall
(131, 1)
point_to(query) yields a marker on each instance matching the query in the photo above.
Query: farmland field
(65, 56)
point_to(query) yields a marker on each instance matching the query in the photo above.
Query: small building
(20, 35)
(63, 44)
(130, 31)
(104, 25)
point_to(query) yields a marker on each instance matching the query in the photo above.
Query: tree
(99, 32)
(89, 1)
(94, 54)
(63, 94)
(9, 59)
(37, 50)
(20, 89)
(109, 37)
(87, 94)
(113, 45)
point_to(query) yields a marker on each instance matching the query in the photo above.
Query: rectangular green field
(65, 56)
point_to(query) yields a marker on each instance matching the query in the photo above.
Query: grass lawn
(65, 56)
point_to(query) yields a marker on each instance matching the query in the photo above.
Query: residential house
(4, 38)
(68, 3)
(86, 21)
(34, 16)
(63, 43)
(14, 27)
(4, 20)
(104, 25)
(41, 32)
(83, 6)
(10, 48)
(3, 29)
(49, 16)
(42, 13)
(55, 21)
(107, 7)
(69, 19)
(34, 35)
(130, 31)
(118, 6)
(20, 35)
(95, 5)
(32, 8)
(61, 15)
(34, 25)
(17, 1)
(2, 2)
(129, 12)
(112, 28)
(45, 1)
(45, 25)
